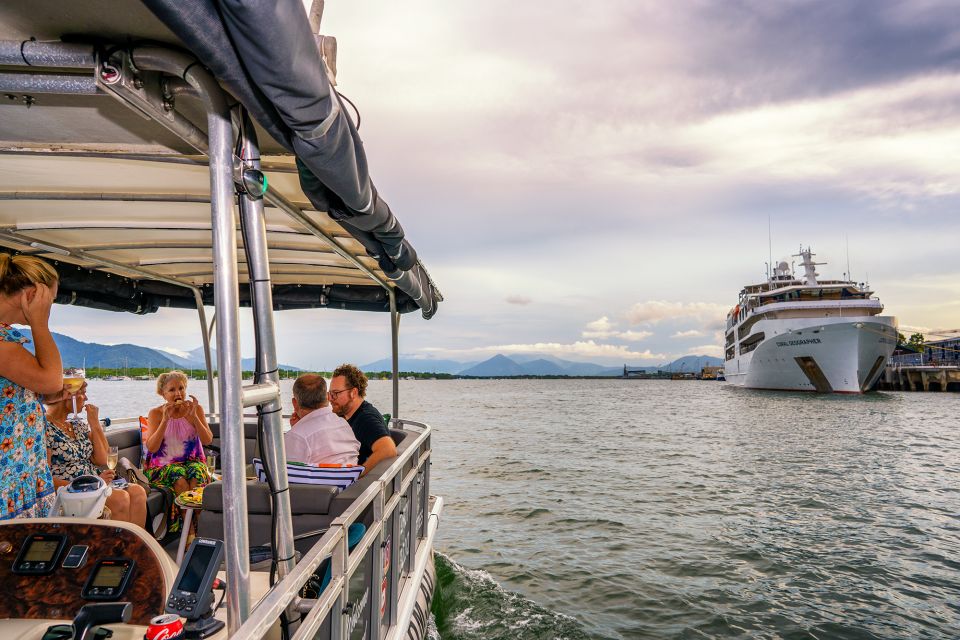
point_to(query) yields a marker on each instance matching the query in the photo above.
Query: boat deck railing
(366, 582)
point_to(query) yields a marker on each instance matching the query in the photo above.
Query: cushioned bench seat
(313, 507)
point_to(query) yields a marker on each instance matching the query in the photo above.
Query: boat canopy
(120, 202)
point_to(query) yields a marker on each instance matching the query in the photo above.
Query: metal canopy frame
(149, 92)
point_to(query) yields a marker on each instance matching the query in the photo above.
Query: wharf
(899, 377)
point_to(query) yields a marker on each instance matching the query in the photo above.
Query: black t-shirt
(368, 427)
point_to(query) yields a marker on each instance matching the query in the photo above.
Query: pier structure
(898, 377)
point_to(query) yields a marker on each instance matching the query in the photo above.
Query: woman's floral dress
(26, 485)
(70, 456)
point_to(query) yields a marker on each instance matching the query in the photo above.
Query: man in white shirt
(318, 436)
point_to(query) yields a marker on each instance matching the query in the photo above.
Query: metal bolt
(137, 82)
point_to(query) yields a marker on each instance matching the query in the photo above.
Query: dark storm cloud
(815, 48)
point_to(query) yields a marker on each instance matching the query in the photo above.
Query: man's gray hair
(310, 390)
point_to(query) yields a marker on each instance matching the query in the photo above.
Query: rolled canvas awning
(121, 202)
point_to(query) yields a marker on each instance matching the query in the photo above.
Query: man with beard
(348, 388)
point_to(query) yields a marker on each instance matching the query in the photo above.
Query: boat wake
(469, 604)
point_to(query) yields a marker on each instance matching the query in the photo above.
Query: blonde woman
(28, 286)
(177, 431)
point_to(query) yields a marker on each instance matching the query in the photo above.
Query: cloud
(654, 311)
(521, 300)
(634, 336)
(692, 333)
(602, 328)
(586, 349)
(706, 350)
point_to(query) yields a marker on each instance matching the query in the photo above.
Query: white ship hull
(839, 355)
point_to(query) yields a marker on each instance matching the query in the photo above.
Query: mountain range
(75, 353)
(533, 365)
(118, 356)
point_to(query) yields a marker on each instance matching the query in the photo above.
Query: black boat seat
(250, 448)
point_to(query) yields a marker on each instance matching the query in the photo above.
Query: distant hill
(542, 367)
(503, 366)
(108, 356)
(692, 364)
(497, 366)
(418, 365)
(118, 356)
(194, 360)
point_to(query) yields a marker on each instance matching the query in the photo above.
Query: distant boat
(116, 378)
(804, 334)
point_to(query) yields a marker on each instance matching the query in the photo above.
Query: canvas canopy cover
(103, 170)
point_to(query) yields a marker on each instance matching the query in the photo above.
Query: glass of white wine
(73, 382)
(112, 457)
(212, 465)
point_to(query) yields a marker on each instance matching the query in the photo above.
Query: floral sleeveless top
(180, 444)
(26, 485)
(70, 456)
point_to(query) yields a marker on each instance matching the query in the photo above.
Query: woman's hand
(173, 410)
(54, 398)
(108, 475)
(190, 409)
(93, 416)
(35, 304)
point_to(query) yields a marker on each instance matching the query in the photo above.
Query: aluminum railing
(365, 582)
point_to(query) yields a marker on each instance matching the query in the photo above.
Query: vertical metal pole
(426, 492)
(395, 561)
(227, 305)
(377, 549)
(211, 396)
(338, 569)
(274, 454)
(395, 352)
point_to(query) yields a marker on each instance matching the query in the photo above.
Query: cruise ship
(805, 334)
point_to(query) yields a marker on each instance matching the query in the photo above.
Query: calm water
(656, 509)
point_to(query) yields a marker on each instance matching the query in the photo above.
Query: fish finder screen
(41, 551)
(109, 576)
(190, 582)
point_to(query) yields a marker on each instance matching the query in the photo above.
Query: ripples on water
(691, 509)
(656, 509)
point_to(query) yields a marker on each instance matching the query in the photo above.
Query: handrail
(427, 547)
(284, 593)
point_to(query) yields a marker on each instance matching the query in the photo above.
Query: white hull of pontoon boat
(816, 354)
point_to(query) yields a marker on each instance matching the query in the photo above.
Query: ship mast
(809, 266)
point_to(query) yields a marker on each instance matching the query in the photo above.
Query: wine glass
(212, 464)
(73, 382)
(113, 455)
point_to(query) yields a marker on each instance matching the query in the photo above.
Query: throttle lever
(95, 615)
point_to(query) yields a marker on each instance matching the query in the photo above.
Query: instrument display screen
(41, 550)
(109, 575)
(193, 574)
(109, 579)
(39, 554)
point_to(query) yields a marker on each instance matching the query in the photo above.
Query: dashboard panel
(58, 593)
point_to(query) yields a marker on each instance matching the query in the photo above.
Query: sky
(597, 181)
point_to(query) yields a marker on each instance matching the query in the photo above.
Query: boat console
(51, 569)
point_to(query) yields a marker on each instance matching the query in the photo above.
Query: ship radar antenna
(809, 266)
